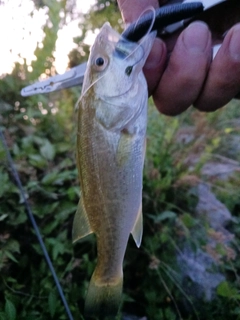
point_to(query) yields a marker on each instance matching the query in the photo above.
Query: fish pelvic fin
(103, 299)
(81, 224)
(137, 230)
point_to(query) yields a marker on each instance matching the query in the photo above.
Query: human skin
(189, 74)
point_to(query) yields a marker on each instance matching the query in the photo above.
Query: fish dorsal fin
(81, 224)
(137, 230)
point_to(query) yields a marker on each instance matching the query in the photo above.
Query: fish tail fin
(103, 299)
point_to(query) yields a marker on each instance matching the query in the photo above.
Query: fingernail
(196, 37)
(155, 55)
(234, 46)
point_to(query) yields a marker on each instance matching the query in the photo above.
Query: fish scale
(112, 120)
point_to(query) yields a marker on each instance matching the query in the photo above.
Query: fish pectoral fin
(137, 230)
(124, 149)
(81, 224)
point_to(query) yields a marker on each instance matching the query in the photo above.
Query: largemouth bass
(112, 120)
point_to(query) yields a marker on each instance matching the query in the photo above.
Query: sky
(21, 32)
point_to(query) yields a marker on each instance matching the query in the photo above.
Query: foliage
(40, 132)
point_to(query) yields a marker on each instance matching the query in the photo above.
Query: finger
(184, 76)
(223, 81)
(155, 64)
(131, 10)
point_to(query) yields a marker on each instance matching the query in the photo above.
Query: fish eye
(128, 70)
(99, 61)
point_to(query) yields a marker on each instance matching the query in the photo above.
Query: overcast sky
(20, 33)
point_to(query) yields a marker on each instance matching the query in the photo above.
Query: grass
(181, 153)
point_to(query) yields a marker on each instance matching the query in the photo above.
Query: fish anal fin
(81, 224)
(137, 230)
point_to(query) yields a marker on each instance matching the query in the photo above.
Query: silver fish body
(112, 120)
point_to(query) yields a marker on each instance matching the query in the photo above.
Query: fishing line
(164, 17)
(144, 37)
(142, 40)
(33, 221)
(129, 55)
(90, 86)
(150, 8)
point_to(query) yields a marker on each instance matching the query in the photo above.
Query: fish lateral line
(120, 130)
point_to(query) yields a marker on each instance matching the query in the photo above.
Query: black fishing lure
(163, 17)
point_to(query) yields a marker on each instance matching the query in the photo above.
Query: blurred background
(188, 265)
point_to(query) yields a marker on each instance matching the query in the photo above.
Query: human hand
(190, 76)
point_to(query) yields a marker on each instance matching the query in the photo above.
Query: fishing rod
(163, 17)
(167, 20)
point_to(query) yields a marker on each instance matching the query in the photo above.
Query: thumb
(131, 10)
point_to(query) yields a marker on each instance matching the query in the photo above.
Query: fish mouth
(108, 99)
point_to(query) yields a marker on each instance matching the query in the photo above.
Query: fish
(111, 142)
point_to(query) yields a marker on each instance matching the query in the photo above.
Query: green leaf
(3, 316)
(187, 220)
(50, 227)
(21, 218)
(13, 245)
(58, 248)
(52, 303)
(3, 216)
(226, 290)
(37, 160)
(166, 215)
(50, 178)
(10, 256)
(10, 310)
(15, 149)
(236, 311)
(163, 216)
(47, 150)
(4, 185)
(12, 280)
(73, 193)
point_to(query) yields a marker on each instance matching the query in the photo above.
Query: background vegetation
(183, 152)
